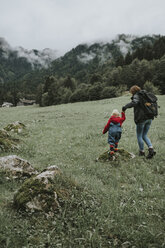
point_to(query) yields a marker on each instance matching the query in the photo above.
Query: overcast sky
(63, 24)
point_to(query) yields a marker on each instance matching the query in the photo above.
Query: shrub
(95, 91)
(109, 92)
(79, 95)
(149, 86)
(45, 99)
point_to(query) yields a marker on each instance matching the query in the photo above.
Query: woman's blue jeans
(141, 132)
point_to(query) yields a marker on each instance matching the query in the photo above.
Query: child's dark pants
(113, 139)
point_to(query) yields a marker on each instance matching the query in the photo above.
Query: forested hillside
(87, 72)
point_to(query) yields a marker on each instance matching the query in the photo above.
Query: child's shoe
(151, 153)
(111, 153)
(116, 150)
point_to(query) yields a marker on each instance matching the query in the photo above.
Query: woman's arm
(133, 103)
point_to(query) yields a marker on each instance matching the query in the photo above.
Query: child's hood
(115, 119)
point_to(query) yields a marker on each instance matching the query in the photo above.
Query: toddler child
(114, 127)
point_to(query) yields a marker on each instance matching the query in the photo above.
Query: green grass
(123, 204)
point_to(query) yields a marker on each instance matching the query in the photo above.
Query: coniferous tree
(70, 83)
(120, 61)
(39, 93)
(159, 48)
(95, 91)
(128, 59)
(159, 75)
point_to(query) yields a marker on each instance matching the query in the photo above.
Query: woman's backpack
(149, 103)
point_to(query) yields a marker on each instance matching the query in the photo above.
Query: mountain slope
(17, 62)
(21, 71)
(85, 59)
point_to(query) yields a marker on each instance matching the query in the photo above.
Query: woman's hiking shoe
(141, 153)
(151, 153)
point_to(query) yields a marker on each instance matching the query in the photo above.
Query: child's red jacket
(115, 120)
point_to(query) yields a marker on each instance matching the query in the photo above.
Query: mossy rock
(7, 142)
(45, 192)
(17, 167)
(16, 127)
(120, 155)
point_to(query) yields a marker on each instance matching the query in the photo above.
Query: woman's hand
(123, 109)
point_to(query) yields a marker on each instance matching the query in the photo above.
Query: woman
(143, 123)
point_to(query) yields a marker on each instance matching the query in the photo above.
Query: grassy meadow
(123, 203)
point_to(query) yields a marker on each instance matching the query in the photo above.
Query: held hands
(123, 109)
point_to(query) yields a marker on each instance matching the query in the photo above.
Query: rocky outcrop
(7, 143)
(45, 192)
(16, 127)
(121, 154)
(16, 167)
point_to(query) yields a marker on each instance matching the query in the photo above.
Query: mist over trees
(86, 73)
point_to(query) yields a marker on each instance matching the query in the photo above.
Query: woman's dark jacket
(139, 114)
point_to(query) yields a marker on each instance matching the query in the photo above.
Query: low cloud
(6, 48)
(42, 58)
(35, 57)
(85, 57)
(62, 25)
